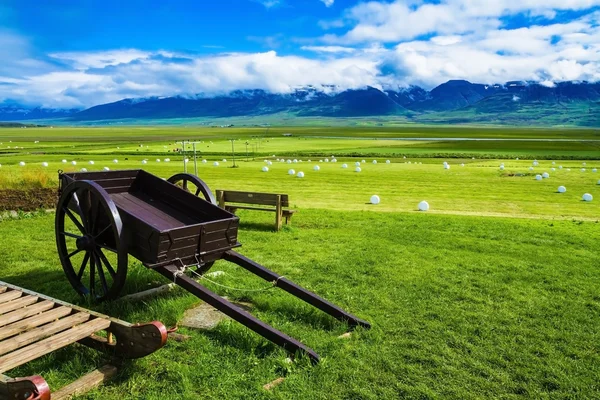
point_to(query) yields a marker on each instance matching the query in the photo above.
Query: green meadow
(492, 293)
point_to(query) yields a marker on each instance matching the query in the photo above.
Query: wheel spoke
(197, 192)
(101, 274)
(103, 246)
(83, 265)
(71, 235)
(94, 213)
(109, 267)
(82, 209)
(72, 218)
(92, 275)
(73, 253)
(185, 184)
(102, 231)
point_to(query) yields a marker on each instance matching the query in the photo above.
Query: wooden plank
(28, 311)
(18, 303)
(10, 295)
(267, 199)
(85, 383)
(53, 343)
(2, 289)
(34, 335)
(278, 214)
(33, 322)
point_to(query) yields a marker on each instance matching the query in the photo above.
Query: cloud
(269, 3)
(425, 47)
(328, 3)
(328, 49)
(408, 19)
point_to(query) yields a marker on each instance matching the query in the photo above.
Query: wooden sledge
(33, 325)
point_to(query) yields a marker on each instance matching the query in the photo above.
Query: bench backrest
(267, 199)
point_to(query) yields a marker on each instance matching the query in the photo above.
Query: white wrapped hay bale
(562, 189)
(545, 175)
(538, 177)
(300, 174)
(344, 166)
(423, 206)
(375, 199)
(291, 172)
(216, 164)
(587, 197)
(316, 168)
(265, 169)
(44, 164)
(357, 169)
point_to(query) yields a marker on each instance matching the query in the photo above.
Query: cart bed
(162, 222)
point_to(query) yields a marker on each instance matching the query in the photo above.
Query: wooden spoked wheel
(88, 237)
(194, 185)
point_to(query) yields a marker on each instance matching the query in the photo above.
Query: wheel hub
(86, 243)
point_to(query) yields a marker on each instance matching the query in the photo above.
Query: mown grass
(478, 188)
(461, 307)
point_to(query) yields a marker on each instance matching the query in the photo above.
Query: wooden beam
(85, 383)
(18, 303)
(10, 295)
(55, 342)
(25, 312)
(33, 322)
(147, 293)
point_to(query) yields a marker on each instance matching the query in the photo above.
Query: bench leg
(288, 219)
(294, 289)
(233, 311)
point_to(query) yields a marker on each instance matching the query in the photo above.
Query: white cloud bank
(382, 45)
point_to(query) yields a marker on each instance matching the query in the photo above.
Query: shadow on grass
(240, 340)
(257, 226)
(309, 316)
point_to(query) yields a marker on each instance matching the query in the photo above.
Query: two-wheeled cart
(170, 226)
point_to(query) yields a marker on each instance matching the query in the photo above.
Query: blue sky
(60, 53)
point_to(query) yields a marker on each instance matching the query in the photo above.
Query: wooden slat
(18, 303)
(51, 344)
(6, 346)
(33, 322)
(10, 295)
(25, 312)
(2, 289)
(85, 383)
(268, 199)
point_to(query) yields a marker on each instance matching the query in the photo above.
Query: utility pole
(232, 151)
(246, 151)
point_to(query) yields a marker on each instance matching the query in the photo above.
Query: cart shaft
(292, 345)
(294, 289)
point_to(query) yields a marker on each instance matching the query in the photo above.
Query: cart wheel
(88, 237)
(193, 184)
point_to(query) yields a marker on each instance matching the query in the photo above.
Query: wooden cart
(33, 325)
(170, 226)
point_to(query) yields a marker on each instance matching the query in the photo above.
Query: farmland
(493, 293)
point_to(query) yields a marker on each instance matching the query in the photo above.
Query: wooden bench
(33, 325)
(277, 203)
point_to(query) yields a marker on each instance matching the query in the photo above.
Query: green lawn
(493, 293)
(461, 307)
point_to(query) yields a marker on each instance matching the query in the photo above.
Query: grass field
(493, 293)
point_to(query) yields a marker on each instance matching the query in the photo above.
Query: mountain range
(456, 101)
